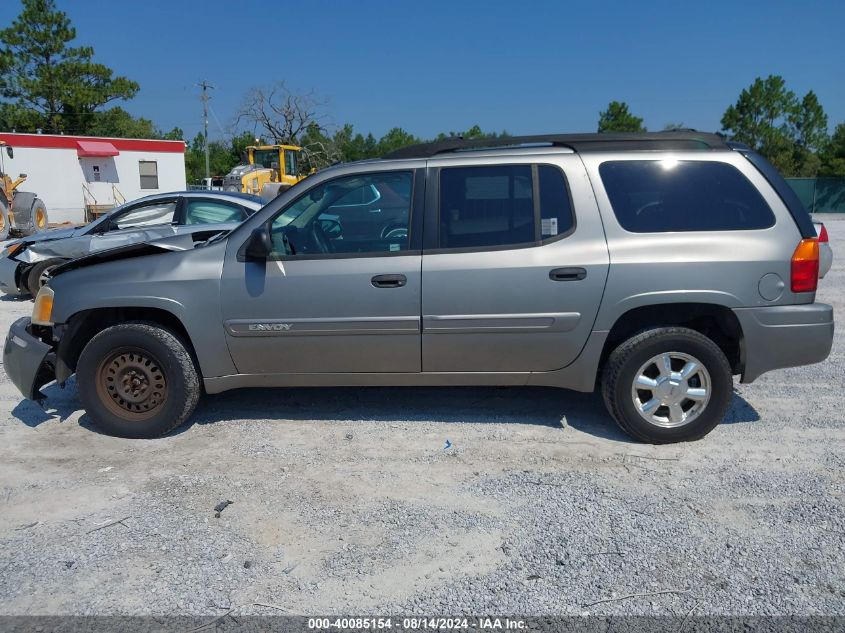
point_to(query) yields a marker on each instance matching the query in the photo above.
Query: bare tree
(284, 115)
(320, 152)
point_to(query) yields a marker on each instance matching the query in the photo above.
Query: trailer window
(149, 174)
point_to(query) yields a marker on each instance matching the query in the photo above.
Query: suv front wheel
(669, 384)
(137, 380)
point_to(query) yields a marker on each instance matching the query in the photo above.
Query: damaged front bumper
(30, 363)
(9, 276)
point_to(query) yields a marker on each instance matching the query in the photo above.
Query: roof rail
(673, 139)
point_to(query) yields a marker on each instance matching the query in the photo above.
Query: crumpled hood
(183, 242)
(52, 234)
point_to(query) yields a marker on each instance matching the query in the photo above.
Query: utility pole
(205, 97)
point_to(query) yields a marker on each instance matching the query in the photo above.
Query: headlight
(42, 311)
(11, 249)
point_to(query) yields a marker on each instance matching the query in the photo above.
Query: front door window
(361, 214)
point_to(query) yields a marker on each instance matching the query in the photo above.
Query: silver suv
(656, 266)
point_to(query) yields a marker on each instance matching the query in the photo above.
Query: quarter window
(508, 205)
(658, 196)
(149, 174)
(364, 213)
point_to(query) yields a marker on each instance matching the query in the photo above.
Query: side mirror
(21, 176)
(259, 245)
(10, 152)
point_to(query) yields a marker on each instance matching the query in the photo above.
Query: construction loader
(268, 169)
(21, 212)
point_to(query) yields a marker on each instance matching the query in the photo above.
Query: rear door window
(656, 196)
(198, 211)
(503, 205)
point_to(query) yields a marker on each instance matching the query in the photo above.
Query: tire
(38, 218)
(34, 281)
(145, 357)
(5, 225)
(687, 407)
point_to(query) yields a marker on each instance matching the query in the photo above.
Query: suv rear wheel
(137, 380)
(667, 385)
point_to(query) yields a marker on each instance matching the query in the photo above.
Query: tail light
(823, 239)
(805, 266)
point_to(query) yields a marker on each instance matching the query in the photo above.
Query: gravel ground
(347, 500)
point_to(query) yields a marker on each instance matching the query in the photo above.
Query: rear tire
(34, 278)
(137, 380)
(667, 385)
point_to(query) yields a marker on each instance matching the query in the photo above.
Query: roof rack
(671, 140)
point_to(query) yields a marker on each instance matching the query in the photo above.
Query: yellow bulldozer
(21, 212)
(268, 170)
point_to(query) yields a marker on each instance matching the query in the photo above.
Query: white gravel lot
(345, 500)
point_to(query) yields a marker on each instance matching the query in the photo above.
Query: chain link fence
(820, 195)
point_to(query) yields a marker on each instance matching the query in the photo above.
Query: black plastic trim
(573, 273)
(671, 140)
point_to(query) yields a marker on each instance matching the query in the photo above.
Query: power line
(216, 120)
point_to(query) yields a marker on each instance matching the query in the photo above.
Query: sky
(527, 67)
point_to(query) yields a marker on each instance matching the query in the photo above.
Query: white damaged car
(26, 263)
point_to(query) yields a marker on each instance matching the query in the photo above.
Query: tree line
(48, 83)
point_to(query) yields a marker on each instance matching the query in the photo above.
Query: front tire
(36, 275)
(667, 385)
(5, 225)
(137, 380)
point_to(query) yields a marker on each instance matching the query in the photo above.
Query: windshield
(266, 158)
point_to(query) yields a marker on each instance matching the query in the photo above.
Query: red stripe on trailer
(59, 141)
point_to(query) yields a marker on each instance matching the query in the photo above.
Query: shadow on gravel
(740, 411)
(14, 298)
(543, 406)
(59, 405)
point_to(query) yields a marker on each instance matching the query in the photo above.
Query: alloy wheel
(671, 389)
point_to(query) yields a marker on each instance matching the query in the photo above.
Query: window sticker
(548, 226)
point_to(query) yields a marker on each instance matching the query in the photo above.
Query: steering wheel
(322, 242)
(394, 232)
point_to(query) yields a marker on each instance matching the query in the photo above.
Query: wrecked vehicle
(655, 267)
(26, 263)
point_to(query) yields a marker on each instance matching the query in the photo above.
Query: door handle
(389, 281)
(567, 274)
